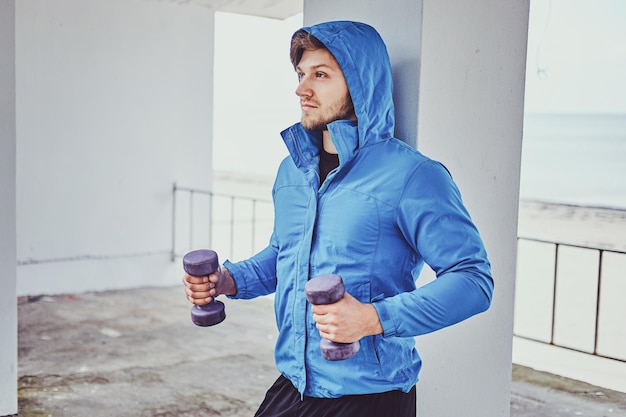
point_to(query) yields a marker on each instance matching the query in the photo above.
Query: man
(354, 201)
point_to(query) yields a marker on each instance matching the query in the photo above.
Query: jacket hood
(363, 58)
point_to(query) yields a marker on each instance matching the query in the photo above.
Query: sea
(574, 159)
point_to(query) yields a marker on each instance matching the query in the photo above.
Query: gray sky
(576, 56)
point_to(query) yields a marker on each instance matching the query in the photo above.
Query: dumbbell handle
(328, 289)
(200, 263)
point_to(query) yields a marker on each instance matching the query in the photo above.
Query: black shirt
(328, 162)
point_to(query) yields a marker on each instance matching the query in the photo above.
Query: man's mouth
(307, 105)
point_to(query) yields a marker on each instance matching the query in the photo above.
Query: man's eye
(300, 76)
(320, 75)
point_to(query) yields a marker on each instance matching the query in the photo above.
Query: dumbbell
(328, 289)
(201, 263)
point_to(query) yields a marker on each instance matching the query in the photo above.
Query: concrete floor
(135, 353)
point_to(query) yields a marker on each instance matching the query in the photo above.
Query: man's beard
(339, 110)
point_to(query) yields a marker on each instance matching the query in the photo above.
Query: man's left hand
(347, 320)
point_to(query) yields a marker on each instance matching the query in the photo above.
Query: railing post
(232, 225)
(173, 255)
(191, 219)
(210, 219)
(253, 225)
(595, 341)
(556, 270)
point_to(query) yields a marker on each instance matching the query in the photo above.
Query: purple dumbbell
(201, 263)
(328, 289)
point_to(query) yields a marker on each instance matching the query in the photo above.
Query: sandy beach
(596, 227)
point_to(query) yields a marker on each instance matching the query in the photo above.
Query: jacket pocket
(394, 357)
(369, 350)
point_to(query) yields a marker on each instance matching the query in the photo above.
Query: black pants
(283, 400)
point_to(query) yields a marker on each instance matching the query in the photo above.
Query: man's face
(323, 92)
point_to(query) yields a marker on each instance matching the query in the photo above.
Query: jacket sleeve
(433, 219)
(255, 276)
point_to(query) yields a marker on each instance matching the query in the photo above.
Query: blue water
(575, 159)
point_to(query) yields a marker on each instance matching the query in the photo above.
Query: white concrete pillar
(464, 63)
(471, 114)
(8, 299)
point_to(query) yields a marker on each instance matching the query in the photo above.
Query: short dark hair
(303, 41)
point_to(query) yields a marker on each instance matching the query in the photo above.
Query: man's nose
(304, 89)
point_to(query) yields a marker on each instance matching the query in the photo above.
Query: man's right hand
(202, 290)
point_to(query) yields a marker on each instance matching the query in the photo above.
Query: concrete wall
(114, 105)
(463, 63)
(8, 301)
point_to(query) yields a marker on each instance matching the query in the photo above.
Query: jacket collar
(304, 145)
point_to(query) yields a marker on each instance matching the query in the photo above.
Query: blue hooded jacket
(377, 218)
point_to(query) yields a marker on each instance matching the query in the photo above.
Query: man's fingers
(327, 332)
(200, 287)
(190, 279)
(198, 295)
(199, 301)
(200, 290)
(320, 318)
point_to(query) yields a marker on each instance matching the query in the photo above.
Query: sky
(576, 56)
(576, 63)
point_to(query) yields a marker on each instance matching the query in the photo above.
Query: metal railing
(232, 225)
(598, 279)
